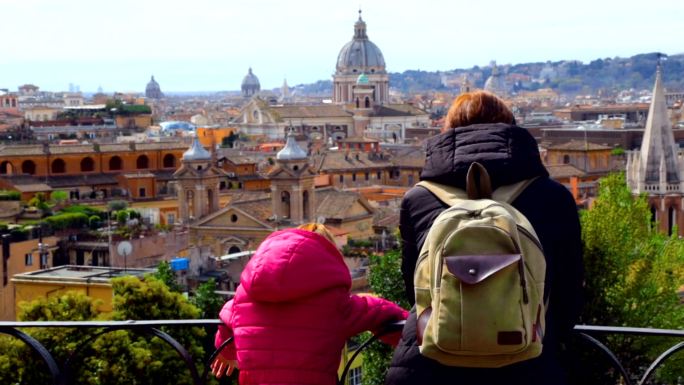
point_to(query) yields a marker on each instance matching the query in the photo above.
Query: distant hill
(566, 77)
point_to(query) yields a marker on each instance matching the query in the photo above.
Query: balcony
(61, 373)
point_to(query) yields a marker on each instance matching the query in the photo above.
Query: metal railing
(61, 374)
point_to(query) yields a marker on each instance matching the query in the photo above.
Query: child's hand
(222, 365)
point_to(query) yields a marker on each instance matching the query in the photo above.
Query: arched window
(58, 166)
(306, 210)
(87, 164)
(233, 250)
(142, 162)
(366, 103)
(210, 201)
(285, 200)
(28, 167)
(115, 163)
(357, 102)
(566, 159)
(672, 219)
(169, 161)
(654, 214)
(6, 168)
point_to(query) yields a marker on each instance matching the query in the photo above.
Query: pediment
(232, 217)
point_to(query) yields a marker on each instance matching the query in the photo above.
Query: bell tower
(293, 192)
(198, 183)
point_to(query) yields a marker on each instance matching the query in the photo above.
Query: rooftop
(94, 274)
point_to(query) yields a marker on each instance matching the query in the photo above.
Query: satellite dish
(124, 248)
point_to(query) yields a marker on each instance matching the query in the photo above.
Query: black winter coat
(510, 154)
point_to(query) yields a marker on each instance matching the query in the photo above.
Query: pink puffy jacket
(292, 312)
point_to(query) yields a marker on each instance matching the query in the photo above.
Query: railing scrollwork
(63, 375)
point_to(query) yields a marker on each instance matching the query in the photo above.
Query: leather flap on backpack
(472, 269)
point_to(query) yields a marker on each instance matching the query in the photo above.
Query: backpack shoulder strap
(509, 192)
(450, 195)
(447, 194)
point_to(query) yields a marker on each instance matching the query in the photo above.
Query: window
(87, 164)
(379, 175)
(28, 259)
(341, 178)
(367, 175)
(142, 192)
(354, 177)
(170, 218)
(355, 376)
(233, 218)
(115, 163)
(142, 162)
(58, 166)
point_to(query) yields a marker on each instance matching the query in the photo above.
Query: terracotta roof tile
(579, 145)
(564, 171)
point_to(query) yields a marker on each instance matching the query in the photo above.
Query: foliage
(94, 222)
(207, 301)
(59, 196)
(117, 205)
(118, 107)
(229, 141)
(87, 210)
(633, 274)
(122, 216)
(386, 281)
(67, 221)
(167, 276)
(40, 202)
(10, 195)
(61, 342)
(617, 151)
(151, 299)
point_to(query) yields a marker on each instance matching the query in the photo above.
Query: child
(293, 312)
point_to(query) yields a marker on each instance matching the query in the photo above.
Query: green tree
(59, 196)
(120, 357)
(40, 202)
(117, 205)
(61, 342)
(167, 276)
(207, 301)
(633, 274)
(386, 281)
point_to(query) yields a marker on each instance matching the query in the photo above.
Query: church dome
(196, 152)
(250, 84)
(153, 91)
(360, 54)
(291, 151)
(496, 83)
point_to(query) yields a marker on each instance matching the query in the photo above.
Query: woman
(480, 128)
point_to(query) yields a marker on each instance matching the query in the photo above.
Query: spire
(658, 145)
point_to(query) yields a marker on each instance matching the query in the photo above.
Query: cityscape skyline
(208, 45)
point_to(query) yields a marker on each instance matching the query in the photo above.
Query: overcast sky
(207, 45)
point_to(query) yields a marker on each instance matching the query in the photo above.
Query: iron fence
(61, 373)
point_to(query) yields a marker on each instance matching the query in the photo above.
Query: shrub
(67, 221)
(9, 195)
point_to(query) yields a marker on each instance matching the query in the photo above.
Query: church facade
(657, 168)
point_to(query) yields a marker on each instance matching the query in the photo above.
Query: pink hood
(292, 264)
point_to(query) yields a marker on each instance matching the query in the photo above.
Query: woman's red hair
(477, 107)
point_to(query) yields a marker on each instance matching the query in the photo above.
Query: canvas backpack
(479, 279)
